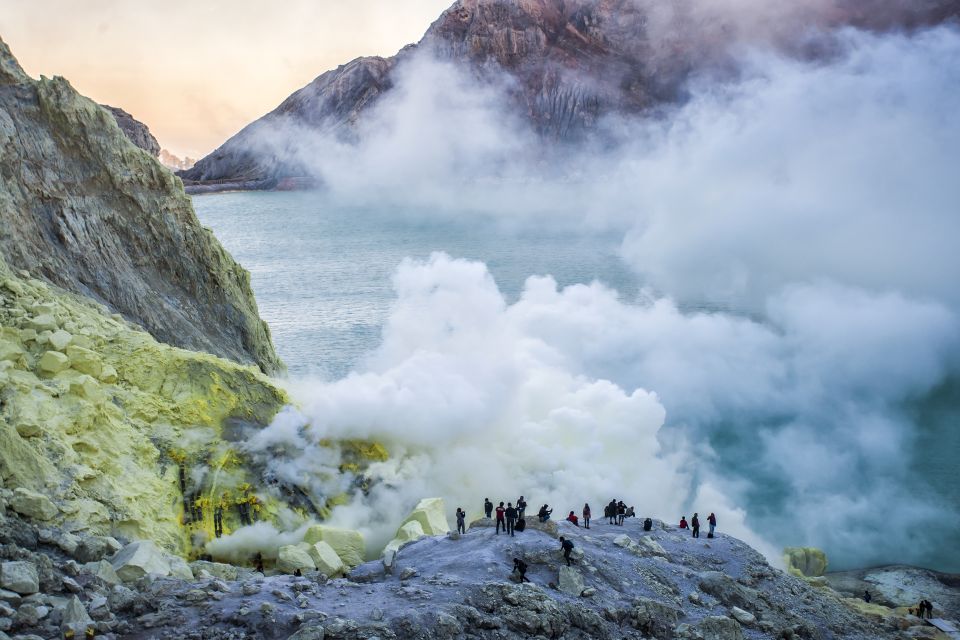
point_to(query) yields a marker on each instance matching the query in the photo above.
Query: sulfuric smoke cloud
(795, 231)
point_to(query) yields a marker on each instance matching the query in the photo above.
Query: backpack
(521, 525)
(568, 545)
(647, 524)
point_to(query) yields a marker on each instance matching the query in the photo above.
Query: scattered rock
(346, 543)
(20, 577)
(216, 569)
(407, 573)
(326, 559)
(53, 362)
(96, 548)
(139, 559)
(33, 505)
(741, 616)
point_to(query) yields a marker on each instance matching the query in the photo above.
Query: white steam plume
(816, 203)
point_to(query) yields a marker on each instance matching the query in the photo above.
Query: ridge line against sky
(196, 73)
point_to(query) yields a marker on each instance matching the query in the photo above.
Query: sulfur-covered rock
(44, 322)
(347, 544)
(431, 513)
(326, 559)
(53, 362)
(33, 505)
(20, 577)
(179, 568)
(291, 557)
(215, 569)
(408, 532)
(108, 374)
(85, 361)
(139, 559)
(805, 561)
(59, 339)
(10, 351)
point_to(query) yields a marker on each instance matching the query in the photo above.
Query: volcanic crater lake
(322, 272)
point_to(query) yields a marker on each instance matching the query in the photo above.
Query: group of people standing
(694, 524)
(509, 518)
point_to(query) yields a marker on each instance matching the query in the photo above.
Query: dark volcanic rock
(567, 63)
(83, 208)
(138, 132)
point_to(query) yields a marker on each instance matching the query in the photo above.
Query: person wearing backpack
(521, 524)
(500, 521)
(647, 524)
(567, 546)
(586, 515)
(712, 521)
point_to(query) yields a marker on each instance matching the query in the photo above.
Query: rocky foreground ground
(624, 583)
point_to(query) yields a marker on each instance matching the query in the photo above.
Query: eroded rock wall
(84, 208)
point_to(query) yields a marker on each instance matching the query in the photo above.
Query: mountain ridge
(568, 64)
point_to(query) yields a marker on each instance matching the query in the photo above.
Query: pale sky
(197, 71)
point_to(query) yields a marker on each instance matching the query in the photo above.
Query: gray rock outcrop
(138, 133)
(85, 209)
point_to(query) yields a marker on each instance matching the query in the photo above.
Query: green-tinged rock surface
(326, 559)
(96, 441)
(82, 207)
(291, 557)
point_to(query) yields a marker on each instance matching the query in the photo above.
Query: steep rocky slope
(83, 208)
(566, 64)
(138, 133)
(624, 583)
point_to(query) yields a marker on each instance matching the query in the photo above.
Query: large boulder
(215, 569)
(408, 532)
(431, 513)
(805, 562)
(33, 505)
(571, 582)
(326, 559)
(139, 559)
(347, 544)
(291, 557)
(75, 618)
(102, 570)
(20, 577)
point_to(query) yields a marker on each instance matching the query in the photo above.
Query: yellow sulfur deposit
(101, 418)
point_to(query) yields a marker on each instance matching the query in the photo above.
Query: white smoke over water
(816, 203)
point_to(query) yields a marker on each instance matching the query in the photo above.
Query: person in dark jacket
(487, 507)
(567, 546)
(611, 511)
(511, 518)
(501, 512)
(520, 567)
(586, 515)
(712, 521)
(621, 512)
(866, 596)
(521, 507)
(461, 521)
(544, 513)
(695, 525)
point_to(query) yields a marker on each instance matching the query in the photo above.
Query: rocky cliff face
(567, 63)
(85, 209)
(138, 133)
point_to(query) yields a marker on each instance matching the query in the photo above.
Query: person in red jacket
(573, 518)
(501, 522)
(683, 522)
